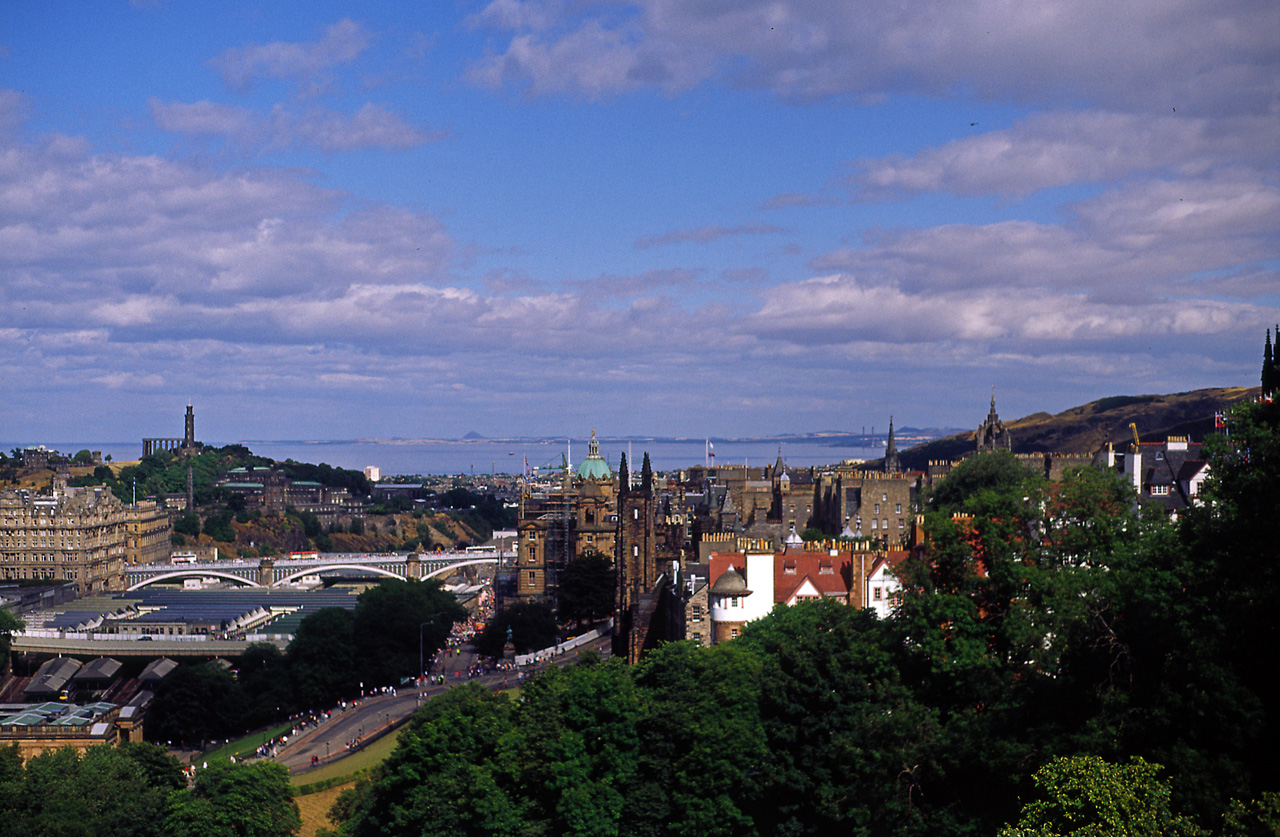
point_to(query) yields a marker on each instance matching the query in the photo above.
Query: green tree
(844, 733)
(8, 624)
(388, 620)
(187, 524)
(1256, 818)
(195, 704)
(322, 659)
(532, 624)
(235, 800)
(576, 743)
(1085, 796)
(449, 775)
(701, 742)
(106, 792)
(587, 588)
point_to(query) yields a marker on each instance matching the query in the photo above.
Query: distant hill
(1088, 428)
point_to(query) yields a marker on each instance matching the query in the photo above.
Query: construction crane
(1134, 428)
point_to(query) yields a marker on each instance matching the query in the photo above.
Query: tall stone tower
(891, 463)
(189, 436)
(993, 435)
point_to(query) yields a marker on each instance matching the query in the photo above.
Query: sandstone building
(78, 534)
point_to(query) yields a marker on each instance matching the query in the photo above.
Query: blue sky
(668, 217)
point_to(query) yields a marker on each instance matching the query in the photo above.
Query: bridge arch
(194, 574)
(457, 564)
(369, 568)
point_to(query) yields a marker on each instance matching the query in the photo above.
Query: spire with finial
(891, 463)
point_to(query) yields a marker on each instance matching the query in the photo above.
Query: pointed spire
(891, 463)
(1269, 365)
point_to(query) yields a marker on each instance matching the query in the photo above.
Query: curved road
(377, 714)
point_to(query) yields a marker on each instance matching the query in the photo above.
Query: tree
(449, 775)
(386, 625)
(700, 741)
(196, 703)
(187, 524)
(263, 676)
(8, 624)
(106, 792)
(575, 741)
(532, 624)
(322, 659)
(587, 588)
(235, 800)
(1086, 796)
(844, 733)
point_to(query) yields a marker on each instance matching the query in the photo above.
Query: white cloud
(706, 235)
(305, 64)
(370, 127)
(1145, 55)
(1064, 148)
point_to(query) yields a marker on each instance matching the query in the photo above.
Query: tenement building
(78, 534)
(148, 533)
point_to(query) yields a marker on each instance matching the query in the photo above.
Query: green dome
(594, 467)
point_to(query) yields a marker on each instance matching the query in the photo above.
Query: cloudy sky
(325, 220)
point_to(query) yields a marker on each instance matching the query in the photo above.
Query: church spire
(891, 463)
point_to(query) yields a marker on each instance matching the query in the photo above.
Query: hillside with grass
(1087, 428)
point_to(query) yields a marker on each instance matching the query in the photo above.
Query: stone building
(558, 523)
(268, 489)
(992, 434)
(78, 534)
(148, 533)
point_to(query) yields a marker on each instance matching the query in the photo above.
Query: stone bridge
(275, 572)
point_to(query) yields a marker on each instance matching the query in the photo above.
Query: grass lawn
(243, 748)
(370, 755)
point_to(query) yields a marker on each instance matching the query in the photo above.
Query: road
(376, 715)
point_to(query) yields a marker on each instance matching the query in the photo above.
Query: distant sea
(484, 456)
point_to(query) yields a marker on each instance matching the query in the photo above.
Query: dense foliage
(136, 790)
(1059, 663)
(333, 651)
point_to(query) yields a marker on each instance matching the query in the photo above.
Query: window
(875, 593)
(902, 524)
(898, 508)
(696, 614)
(530, 578)
(884, 496)
(877, 509)
(885, 523)
(733, 633)
(733, 601)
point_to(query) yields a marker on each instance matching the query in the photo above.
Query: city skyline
(318, 221)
